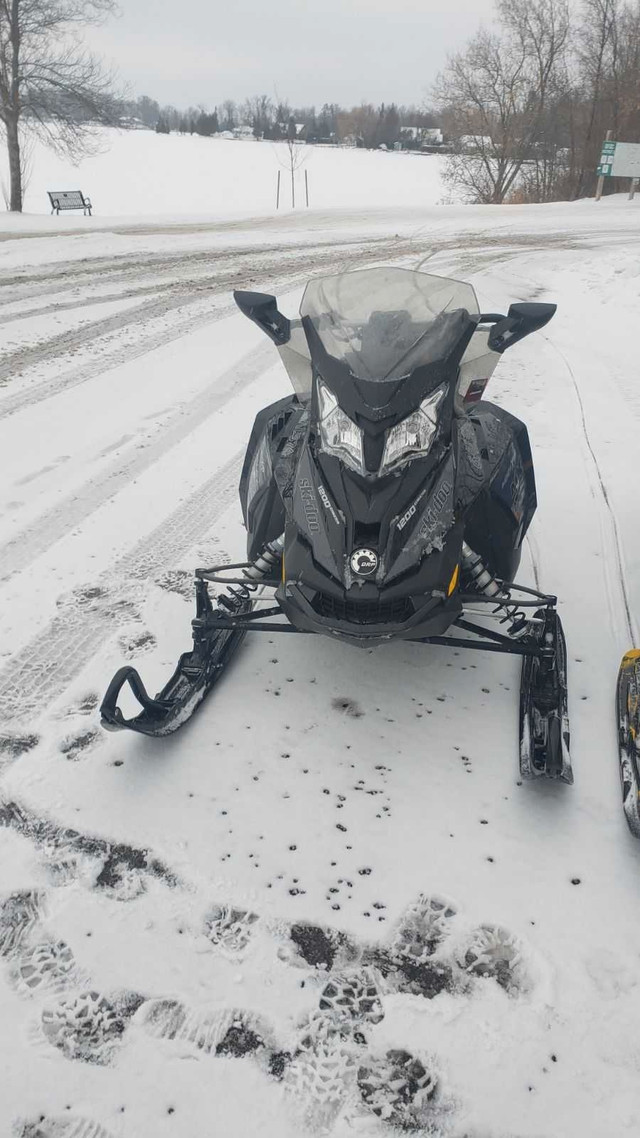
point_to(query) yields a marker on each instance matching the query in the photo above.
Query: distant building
(244, 131)
(474, 143)
(421, 137)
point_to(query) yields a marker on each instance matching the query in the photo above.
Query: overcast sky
(346, 51)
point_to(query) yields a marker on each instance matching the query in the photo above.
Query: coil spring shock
(484, 581)
(237, 595)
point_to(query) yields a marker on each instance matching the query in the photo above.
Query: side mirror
(263, 310)
(519, 322)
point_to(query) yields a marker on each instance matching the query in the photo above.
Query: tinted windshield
(385, 322)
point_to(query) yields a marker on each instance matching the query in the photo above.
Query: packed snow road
(331, 893)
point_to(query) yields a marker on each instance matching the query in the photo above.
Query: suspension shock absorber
(483, 581)
(265, 562)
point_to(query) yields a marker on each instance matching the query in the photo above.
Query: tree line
(367, 125)
(526, 108)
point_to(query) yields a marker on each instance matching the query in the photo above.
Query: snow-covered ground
(158, 979)
(141, 173)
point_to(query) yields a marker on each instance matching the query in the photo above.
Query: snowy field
(158, 980)
(141, 173)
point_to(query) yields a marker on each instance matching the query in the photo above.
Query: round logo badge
(364, 562)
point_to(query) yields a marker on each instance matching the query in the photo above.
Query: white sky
(346, 51)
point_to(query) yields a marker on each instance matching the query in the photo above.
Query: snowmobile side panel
(628, 719)
(262, 505)
(544, 718)
(498, 519)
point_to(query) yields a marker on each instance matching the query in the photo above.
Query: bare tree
(497, 93)
(295, 158)
(48, 80)
(259, 113)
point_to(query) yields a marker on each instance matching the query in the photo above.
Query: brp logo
(364, 562)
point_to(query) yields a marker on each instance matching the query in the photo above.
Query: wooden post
(306, 186)
(600, 186)
(632, 188)
(293, 184)
(278, 192)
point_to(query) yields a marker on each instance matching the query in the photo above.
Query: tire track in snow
(46, 530)
(41, 671)
(616, 543)
(119, 355)
(284, 277)
(75, 338)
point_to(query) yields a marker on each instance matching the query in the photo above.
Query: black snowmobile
(628, 716)
(384, 500)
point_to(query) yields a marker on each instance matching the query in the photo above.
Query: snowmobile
(628, 716)
(383, 500)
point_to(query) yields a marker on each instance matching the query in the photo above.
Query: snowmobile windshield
(385, 322)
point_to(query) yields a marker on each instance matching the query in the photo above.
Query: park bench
(69, 199)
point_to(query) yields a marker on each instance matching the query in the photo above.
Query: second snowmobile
(384, 500)
(628, 717)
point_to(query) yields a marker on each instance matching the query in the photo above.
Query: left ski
(196, 673)
(544, 718)
(628, 717)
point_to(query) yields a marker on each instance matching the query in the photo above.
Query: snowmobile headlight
(415, 434)
(339, 434)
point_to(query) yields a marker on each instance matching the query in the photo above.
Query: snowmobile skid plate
(544, 719)
(194, 676)
(628, 718)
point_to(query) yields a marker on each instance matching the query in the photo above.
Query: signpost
(618, 160)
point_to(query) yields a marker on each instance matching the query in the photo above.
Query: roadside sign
(619, 160)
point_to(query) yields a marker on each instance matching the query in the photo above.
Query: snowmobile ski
(628, 718)
(544, 718)
(196, 673)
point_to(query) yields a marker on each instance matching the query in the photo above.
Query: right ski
(628, 717)
(544, 717)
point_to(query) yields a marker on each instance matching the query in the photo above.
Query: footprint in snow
(230, 929)
(88, 1027)
(47, 968)
(229, 1032)
(74, 747)
(69, 1126)
(19, 913)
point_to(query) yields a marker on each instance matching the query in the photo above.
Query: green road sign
(608, 147)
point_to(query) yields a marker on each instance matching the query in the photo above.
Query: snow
(318, 783)
(142, 173)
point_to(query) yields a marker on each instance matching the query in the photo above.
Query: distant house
(244, 131)
(296, 130)
(474, 143)
(130, 122)
(421, 137)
